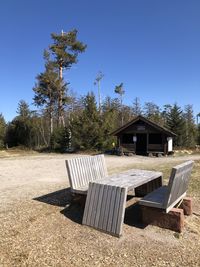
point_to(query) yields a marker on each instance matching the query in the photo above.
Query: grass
(165, 168)
(194, 185)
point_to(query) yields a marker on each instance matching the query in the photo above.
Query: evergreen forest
(64, 121)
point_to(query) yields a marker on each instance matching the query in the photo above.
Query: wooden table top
(130, 179)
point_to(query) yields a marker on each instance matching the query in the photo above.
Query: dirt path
(37, 229)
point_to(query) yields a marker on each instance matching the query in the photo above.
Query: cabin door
(141, 144)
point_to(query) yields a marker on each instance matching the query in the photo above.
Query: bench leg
(174, 220)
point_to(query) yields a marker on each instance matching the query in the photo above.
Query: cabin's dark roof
(151, 123)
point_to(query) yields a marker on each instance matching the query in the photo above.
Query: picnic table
(106, 198)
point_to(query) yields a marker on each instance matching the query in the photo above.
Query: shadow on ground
(59, 198)
(74, 210)
(133, 216)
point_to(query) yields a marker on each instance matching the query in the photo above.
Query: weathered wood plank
(107, 208)
(96, 188)
(116, 209)
(112, 211)
(155, 198)
(83, 170)
(168, 196)
(103, 206)
(99, 206)
(87, 205)
(178, 183)
(91, 201)
(121, 212)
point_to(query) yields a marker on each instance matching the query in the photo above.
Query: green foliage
(176, 123)
(136, 109)
(23, 110)
(62, 54)
(87, 127)
(2, 130)
(47, 89)
(61, 139)
(119, 89)
(66, 48)
(191, 129)
(198, 134)
(110, 119)
(152, 112)
(22, 131)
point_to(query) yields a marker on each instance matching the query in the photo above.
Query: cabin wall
(157, 146)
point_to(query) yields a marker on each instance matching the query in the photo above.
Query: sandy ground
(38, 228)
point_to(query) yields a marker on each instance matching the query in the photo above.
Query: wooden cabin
(144, 137)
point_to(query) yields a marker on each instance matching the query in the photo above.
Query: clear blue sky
(152, 46)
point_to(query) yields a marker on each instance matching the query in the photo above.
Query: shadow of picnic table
(74, 210)
(62, 198)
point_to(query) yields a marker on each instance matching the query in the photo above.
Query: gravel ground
(38, 228)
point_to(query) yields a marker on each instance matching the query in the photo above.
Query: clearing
(37, 228)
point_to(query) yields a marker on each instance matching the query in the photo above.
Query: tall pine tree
(137, 109)
(191, 129)
(65, 50)
(2, 130)
(87, 127)
(176, 123)
(119, 89)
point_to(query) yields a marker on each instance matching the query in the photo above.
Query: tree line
(63, 121)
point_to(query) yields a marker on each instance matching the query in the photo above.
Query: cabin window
(155, 139)
(127, 139)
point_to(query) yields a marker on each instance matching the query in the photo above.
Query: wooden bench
(83, 170)
(166, 197)
(106, 195)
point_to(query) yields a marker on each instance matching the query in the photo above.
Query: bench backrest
(178, 184)
(83, 170)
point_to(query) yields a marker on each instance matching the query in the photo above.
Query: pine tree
(87, 127)
(23, 110)
(191, 130)
(176, 123)
(137, 109)
(46, 91)
(110, 118)
(65, 50)
(198, 134)
(2, 130)
(120, 90)
(166, 110)
(19, 131)
(152, 112)
(98, 79)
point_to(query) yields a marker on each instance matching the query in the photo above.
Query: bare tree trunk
(42, 132)
(99, 96)
(122, 116)
(51, 123)
(61, 121)
(51, 111)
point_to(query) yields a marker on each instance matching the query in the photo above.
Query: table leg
(145, 189)
(105, 208)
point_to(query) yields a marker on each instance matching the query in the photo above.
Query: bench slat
(168, 196)
(106, 212)
(83, 170)
(178, 184)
